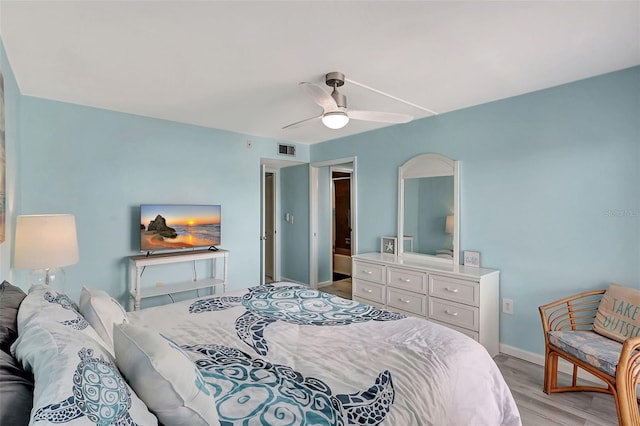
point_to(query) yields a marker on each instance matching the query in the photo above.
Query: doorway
(269, 228)
(341, 223)
(333, 222)
(341, 284)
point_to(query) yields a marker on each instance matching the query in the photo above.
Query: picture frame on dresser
(471, 258)
(389, 245)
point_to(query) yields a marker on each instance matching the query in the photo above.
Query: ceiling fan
(335, 114)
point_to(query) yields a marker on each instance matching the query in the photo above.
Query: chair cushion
(590, 347)
(618, 315)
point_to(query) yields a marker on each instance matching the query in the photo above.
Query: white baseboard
(563, 366)
(289, 280)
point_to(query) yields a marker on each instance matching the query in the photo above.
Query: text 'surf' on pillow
(618, 316)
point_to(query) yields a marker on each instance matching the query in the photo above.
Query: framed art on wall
(3, 172)
(388, 245)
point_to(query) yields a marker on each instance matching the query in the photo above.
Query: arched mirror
(428, 208)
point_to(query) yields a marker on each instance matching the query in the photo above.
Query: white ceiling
(236, 65)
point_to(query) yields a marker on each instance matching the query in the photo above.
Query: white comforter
(284, 354)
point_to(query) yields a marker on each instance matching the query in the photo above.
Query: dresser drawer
(368, 290)
(473, 334)
(454, 289)
(453, 313)
(369, 272)
(407, 301)
(407, 280)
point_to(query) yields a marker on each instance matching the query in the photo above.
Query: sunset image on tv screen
(178, 226)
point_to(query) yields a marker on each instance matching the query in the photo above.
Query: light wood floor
(340, 288)
(525, 381)
(568, 409)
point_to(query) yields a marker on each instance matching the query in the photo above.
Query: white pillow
(76, 379)
(164, 377)
(102, 311)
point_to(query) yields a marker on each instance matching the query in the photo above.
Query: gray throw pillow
(16, 392)
(10, 299)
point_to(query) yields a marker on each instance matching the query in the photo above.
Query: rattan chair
(577, 313)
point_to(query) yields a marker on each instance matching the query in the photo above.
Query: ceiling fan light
(335, 120)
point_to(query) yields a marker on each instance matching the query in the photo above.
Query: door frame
(313, 212)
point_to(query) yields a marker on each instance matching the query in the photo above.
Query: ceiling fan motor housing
(335, 80)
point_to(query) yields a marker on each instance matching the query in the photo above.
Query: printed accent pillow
(102, 311)
(618, 315)
(164, 377)
(76, 379)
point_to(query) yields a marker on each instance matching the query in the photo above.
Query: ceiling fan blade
(380, 117)
(319, 96)
(302, 122)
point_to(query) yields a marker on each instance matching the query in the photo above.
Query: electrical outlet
(249, 144)
(507, 306)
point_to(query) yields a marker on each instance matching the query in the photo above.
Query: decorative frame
(471, 258)
(389, 245)
(3, 164)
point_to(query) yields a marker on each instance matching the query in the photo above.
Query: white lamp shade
(45, 241)
(448, 226)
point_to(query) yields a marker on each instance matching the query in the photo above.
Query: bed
(276, 354)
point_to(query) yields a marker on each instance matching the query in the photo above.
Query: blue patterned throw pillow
(76, 379)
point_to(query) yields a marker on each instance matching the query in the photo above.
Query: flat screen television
(179, 226)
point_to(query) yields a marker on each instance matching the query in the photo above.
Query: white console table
(138, 263)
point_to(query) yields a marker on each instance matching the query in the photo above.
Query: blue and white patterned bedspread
(284, 354)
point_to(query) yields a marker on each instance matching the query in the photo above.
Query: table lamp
(45, 243)
(448, 226)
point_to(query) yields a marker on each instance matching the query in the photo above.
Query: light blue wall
(294, 238)
(549, 194)
(101, 165)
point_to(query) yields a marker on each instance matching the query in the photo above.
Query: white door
(269, 227)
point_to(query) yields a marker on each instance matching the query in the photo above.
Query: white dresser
(460, 297)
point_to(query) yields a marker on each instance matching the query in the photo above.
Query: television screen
(178, 226)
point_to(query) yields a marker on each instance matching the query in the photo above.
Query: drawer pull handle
(452, 313)
(367, 290)
(404, 301)
(451, 290)
(364, 271)
(405, 280)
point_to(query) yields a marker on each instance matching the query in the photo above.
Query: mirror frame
(430, 165)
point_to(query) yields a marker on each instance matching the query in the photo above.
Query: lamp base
(53, 277)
